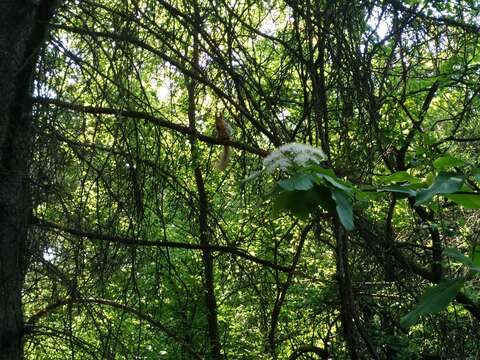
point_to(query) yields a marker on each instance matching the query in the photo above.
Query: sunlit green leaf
(447, 162)
(468, 201)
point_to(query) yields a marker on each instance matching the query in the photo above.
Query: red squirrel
(223, 132)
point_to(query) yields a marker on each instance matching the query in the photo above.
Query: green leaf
(429, 139)
(301, 203)
(434, 299)
(476, 174)
(334, 181)
(468, 201)
(323, 196)
(281, 202)
(445, 183)
(362, 195)
(475, 254)
(297, 182)
(399, 176)
(343, 208)
(290, 201)
(317, 169)
(398, 189)
(447, 161)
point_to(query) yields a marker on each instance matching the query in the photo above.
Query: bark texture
(22, 32)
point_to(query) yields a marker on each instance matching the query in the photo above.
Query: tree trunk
(208, 265)
(22, 30)
(345, 290)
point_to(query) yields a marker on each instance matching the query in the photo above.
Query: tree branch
(165, 244)
(155, 120)
(155, 323)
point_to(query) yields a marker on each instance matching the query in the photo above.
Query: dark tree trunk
(208, 265)
(22, 30)
(347, 309)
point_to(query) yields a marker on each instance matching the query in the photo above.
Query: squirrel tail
(225, 159)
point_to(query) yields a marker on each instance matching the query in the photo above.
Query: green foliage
(475, 254)
(299, 181)
(446, 162)
(311, 187)
(126, 98)
(301, 203)
(398, 177)
(444, 183)
(471, 263)
(398, 189)
(343, 208)
(433, 300)
(306, 189)
(476, 174)
(468, 201)
(438, 297)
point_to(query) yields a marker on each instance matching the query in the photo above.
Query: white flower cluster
(292, 154)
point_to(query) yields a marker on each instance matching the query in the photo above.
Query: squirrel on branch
(223, 132)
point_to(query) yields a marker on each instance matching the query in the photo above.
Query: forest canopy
(245, 179)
